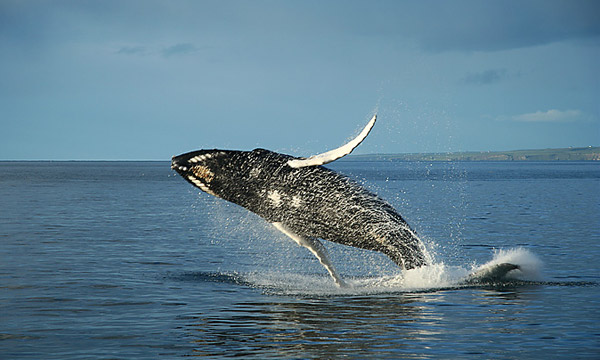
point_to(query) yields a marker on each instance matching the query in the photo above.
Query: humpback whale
(305, 200)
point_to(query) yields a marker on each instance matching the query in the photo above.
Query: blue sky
(151, 79)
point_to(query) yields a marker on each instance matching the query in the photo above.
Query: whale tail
(492, 273)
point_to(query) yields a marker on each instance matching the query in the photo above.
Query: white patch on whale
(275, 197)
(199, 158)
(296, 201)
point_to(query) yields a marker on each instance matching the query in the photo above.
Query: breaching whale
(305, 200)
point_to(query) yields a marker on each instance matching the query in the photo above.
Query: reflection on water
(313, 327)
(376, 326)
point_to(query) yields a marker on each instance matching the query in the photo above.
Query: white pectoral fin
(315, 247)
(335, 154)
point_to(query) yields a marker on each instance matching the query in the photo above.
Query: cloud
(132, 50)
(502, 25)
(179, 49)
(486, 77)
(552, 116)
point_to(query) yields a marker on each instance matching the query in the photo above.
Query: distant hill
(591, 153)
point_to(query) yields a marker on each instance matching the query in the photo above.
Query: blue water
(125, 260)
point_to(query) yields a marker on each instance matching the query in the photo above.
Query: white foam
(432, 277)
(530, 266)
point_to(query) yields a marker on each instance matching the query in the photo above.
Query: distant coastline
(590, 153)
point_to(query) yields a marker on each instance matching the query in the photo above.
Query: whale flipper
(315, 247)
(334, 154)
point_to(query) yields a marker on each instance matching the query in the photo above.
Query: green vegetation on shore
(590, 153)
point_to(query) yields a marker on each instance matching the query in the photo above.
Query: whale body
(305, 200)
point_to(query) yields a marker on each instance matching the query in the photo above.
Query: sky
(146, 80)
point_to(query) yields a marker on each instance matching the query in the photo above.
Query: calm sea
(125, 260)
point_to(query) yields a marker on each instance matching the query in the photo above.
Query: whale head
(236, 176)
(200, 168)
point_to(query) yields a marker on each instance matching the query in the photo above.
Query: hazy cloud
(554, 116)
(173, 50)
(486, 77)
(179, 49)
(132, 50)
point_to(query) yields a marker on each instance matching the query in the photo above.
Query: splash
(427, 278)
(530, 267)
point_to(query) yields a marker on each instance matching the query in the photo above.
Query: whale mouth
(181, 169)
(193, 168)
(185, 162)
(181, 163)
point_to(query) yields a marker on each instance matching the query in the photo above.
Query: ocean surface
(126, 260)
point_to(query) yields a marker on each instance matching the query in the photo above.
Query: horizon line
(350, 155)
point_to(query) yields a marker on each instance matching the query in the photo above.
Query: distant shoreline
(590, 153)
